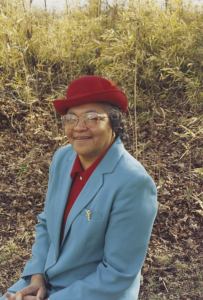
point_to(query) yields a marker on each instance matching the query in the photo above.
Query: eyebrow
(72, 113)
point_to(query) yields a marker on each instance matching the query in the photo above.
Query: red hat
(88, 89)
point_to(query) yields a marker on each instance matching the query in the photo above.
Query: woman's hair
(117, 120)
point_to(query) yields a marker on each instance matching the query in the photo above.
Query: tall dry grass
(40, 49)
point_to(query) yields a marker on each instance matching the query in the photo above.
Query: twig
(165, 286)
(135, 97)
(131, 121)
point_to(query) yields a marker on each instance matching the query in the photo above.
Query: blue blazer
(100, 258)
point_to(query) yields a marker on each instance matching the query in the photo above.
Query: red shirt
(80, 178)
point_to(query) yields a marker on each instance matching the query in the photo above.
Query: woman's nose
(80, 125)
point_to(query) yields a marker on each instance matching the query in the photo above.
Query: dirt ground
(171, 150)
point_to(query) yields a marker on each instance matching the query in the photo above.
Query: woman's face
(89, 143)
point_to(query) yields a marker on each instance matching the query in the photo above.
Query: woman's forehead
(87, 107)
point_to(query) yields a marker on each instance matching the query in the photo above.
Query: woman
(100, 206)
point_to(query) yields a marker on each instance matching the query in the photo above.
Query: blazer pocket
(90, 214)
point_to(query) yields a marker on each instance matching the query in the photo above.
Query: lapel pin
(88, 213)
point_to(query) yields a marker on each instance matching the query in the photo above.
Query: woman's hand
(35, 291)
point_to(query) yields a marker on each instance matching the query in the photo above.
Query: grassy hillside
(40, 49)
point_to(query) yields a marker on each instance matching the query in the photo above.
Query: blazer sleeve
(42, 243)
(126, 242)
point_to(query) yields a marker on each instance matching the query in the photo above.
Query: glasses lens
(70, 120)
(90, 119)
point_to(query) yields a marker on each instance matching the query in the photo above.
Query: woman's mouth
(83, 138)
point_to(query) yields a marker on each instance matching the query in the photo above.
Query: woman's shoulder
(120, 163)
(132, 175)
(131, 164)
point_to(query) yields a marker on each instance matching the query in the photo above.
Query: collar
(77, 169)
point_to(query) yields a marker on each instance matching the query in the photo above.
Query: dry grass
(47, 49)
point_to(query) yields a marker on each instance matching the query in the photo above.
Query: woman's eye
(91, 118)
(70, 119)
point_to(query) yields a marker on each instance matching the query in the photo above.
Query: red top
(80, 178)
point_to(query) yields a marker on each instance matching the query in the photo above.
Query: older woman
(100, 206)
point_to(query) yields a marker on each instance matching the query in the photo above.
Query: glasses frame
(100, 117)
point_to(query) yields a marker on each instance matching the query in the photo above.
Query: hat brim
(115, 97)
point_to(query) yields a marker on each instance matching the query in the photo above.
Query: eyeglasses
(90, 120)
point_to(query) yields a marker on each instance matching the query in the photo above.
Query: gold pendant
(88, 213)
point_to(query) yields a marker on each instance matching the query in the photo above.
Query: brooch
(88, 213)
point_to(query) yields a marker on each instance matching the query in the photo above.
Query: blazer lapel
(60, 203)
(107, 165)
